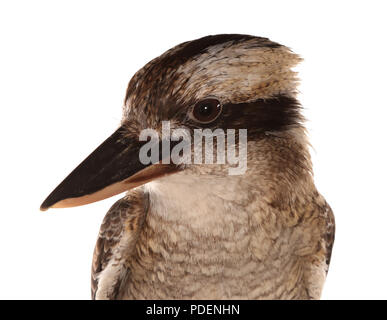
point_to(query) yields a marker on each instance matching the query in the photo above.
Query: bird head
(227, 82)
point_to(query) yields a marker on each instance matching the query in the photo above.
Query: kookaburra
(194, 231)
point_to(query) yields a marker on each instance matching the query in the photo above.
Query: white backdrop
(64, 68)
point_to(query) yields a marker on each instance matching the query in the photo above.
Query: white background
(64, 67)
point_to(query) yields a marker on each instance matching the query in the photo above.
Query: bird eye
(206, 110)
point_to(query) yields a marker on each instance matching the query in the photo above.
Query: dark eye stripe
(263, 115)
(275, 114)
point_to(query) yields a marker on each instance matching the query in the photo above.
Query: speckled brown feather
(125, 216)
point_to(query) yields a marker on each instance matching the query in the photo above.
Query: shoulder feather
(115, 243)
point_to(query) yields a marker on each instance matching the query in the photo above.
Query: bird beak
(114, 167)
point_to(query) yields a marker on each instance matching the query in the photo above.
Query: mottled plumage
(197, 232)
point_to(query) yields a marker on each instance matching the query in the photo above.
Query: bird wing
(329, 236)
(116, 240)
(321, 227)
